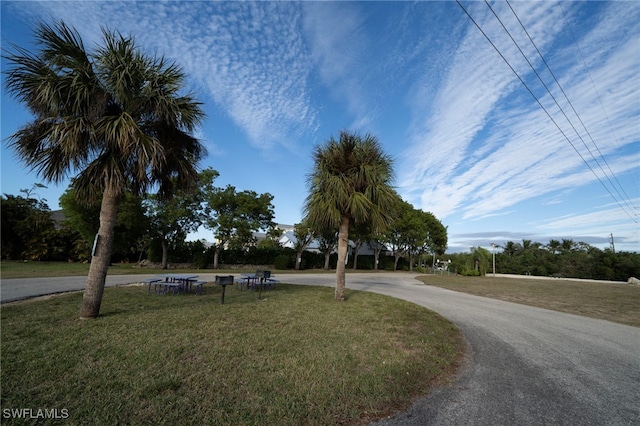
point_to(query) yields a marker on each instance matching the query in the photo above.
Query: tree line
(154, 229)
(558, 258)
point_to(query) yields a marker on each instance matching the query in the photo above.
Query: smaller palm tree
(350, 183)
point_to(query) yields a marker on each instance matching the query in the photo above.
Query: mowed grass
(603, 300)
(295, 358)
(17, 269)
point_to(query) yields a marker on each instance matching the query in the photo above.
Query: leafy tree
(350, 183)
(361, 235)
(425, 234)
(377, 248)
(26, 227)
(401, 233)
(436, 239)
(327, 241)
(130, 228)
(304, 236)
(114, 116)
(171, 219)
(233, 215)
(272, 238)
(413, 232)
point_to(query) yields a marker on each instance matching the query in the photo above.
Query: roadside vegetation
(558, 258)
(152, 359)
(602, 300)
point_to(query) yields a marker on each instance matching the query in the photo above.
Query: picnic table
(260, 280)
(174, 283)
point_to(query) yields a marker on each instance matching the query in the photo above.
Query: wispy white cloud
(250, 58)
(484, 145)
(339, 46)
(605, 220)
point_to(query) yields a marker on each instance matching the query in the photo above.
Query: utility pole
(494, 258)
(613, 246)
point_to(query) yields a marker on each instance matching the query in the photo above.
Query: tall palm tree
(350, 183)
(114, 118)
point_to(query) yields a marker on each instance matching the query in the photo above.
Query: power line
(626, 197)
(542, 106)
(556, 101)
(593, 84)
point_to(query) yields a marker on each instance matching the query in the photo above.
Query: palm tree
(479, 260)
(554, 246)
(350, 183)
(113, 117)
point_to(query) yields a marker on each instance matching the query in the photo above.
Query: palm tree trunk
(298, 260)
(165, 254)
(343, 240)
(216, 254)
(101, 259)
(327, 256)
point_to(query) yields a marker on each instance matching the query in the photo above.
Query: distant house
(288, 240)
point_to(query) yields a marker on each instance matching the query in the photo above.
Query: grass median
(616, 302)
(296, 357)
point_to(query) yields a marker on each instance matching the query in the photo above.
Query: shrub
(282, 261)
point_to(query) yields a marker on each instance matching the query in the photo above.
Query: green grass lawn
(18, 269)
(295, 358)
(603, 300)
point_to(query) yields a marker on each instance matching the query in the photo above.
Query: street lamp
(494, 259)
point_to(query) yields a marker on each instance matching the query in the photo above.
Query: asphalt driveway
(526, 366)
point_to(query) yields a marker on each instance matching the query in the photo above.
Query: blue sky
(470, 142)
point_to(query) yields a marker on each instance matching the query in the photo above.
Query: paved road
(526, 366)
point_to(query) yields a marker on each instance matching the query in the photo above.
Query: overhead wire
(593, 84)
(625, 197)
(543, 107)
(606, 175)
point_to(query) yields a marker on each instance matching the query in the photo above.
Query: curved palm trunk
(343, 239)
(92, 297)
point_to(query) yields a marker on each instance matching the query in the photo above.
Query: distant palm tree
(511, 248)
(479, 260)
(554, 246)
(567, 245)
(350, 183)
(115, 117)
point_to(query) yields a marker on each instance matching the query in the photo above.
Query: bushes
(282, 261)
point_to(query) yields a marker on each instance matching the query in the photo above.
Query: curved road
(526, 366)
